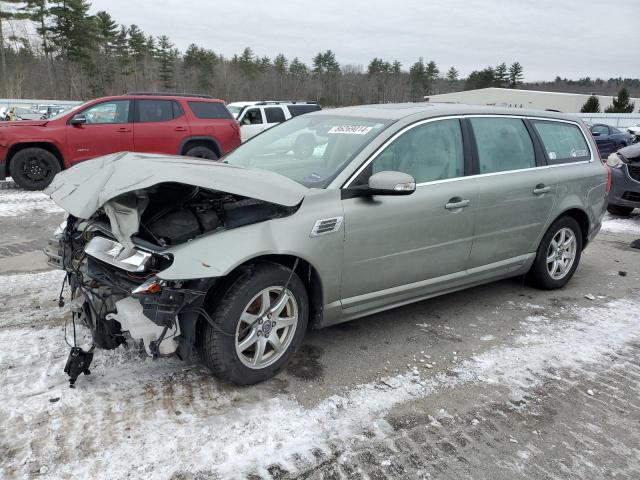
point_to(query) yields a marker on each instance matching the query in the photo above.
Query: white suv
(255, 117)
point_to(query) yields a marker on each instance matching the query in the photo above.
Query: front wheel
(619, 210)
(34, 168)
(201, 151)
(257, 326)
(558, 255)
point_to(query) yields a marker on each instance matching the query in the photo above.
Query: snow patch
(19, 203)
(624, 225)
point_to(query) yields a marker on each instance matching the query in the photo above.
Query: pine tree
(280, 64)
(515, 75)
(166, 56)
(396, 67)
(621, 104)
(592, 105)
(417, 77)
(431, 75)
(452, 75)
(502, 78)
(9, 10)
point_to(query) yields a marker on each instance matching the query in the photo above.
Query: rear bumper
(625, 191)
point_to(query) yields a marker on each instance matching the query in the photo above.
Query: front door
(251, 123)
(402, 247)
(108, 129)
(160, 126)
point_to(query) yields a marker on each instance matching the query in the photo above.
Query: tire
(541, 273)
(221, 347)
(34, 168)
(200, 151)
(619, 210)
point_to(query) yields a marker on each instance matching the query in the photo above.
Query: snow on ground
(18, 203)
(618, 224)
(138, 418)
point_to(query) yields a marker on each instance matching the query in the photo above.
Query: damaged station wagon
(328, 217)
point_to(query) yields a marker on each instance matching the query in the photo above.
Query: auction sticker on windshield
(351, 129)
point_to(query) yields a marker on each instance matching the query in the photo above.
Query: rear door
(251, 123)
(160, 126)
(108, 129)
(516, 192)
(273, 116)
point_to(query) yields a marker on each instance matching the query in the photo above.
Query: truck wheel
(619, 210)
(253, 335)
(558, 255)
(201, 152)
(34, 168)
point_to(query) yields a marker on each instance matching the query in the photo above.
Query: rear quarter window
(563, 142)
(210, 110)
(296, 110)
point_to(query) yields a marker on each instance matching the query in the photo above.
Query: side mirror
(383, 183)
(78, 119)
(595, 134)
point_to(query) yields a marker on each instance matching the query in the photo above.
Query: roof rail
(168, 94)
(277, 102)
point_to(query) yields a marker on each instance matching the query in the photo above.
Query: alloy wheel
(266, 327)
(561, 253)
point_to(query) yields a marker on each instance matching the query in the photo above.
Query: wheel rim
(266, 327)
(35, 169)
(561, 253)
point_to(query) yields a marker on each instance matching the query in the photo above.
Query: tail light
(609, 178)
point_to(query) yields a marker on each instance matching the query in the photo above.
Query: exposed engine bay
(112, 259)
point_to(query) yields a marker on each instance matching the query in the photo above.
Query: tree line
(77, 55)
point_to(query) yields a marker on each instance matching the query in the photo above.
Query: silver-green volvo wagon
(325, 218)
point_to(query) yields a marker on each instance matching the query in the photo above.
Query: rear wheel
(558, 255)
(619, 210)
(34, 168)
(200, 151)
(256, 330)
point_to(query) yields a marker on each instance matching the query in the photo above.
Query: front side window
(274, 114)
(108, 112)
(563, 142)
(503, 144)
(155, 110)
(428, 152)
(311, 150)
(253, 116)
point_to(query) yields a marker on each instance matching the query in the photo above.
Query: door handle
(456, 203)
(180, 129)
(123, 130)
(541, 188)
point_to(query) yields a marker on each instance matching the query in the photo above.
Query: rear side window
(503, 144)
(155, 110)
(274, 114)
(601, 129)
(563, 142)
(210, 110)
(296, 110)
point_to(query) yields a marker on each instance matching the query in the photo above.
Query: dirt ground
(498, 382)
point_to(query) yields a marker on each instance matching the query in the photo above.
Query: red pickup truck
(33, 151)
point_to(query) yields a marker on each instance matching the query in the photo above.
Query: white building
(508, 97)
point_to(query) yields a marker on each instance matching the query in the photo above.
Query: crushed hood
(86, 187)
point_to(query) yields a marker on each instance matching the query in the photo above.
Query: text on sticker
(351, 129)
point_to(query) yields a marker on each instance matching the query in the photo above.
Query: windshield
(310, 149)
(235, 110)
(67, 110)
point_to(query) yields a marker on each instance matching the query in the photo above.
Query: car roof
(150, 96)
(398, 111)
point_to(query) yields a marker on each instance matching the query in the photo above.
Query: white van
(255, 117)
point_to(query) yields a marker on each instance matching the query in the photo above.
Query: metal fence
(620, 120)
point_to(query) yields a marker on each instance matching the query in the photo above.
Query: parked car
(610, 139)
(625, 188)
(328, 217)
(33, 152)
(635, 131)
(256, 117)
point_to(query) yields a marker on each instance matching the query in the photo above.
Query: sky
(569, 38)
